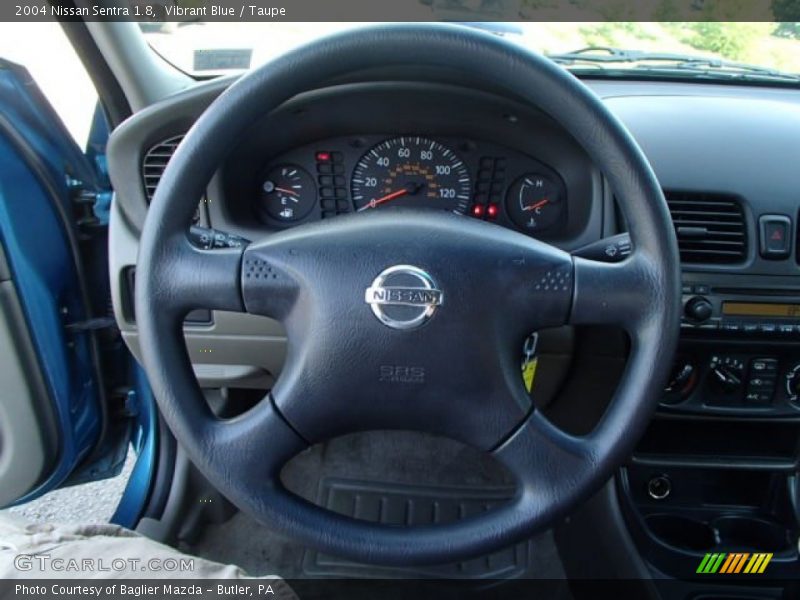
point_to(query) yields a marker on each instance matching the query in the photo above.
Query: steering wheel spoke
(623, 294)
(539, 452)
(257, 443)
(189, 277)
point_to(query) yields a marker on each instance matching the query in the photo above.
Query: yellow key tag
(529, 373)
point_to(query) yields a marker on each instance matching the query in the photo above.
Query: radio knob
(699, 309)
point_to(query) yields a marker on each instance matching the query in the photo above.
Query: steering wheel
(407, 320)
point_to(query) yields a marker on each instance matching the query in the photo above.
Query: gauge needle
(409, 189)
(285, 191)
(381, 200)
(539, 204)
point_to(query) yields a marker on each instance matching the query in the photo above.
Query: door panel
(28, 433)
(56, 425)
(43, 297)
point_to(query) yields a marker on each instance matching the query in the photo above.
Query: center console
(741, 350)
(716, 472)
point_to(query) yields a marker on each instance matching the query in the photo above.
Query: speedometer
(414, 172)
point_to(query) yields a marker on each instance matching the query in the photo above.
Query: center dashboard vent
(711, 228)
(155, 161)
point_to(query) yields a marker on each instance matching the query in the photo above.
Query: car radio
(765, 312)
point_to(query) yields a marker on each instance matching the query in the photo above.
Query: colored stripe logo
(733, 563)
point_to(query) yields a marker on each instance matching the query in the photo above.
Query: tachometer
(411, 171)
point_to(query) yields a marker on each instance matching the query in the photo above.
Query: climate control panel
(729, 383)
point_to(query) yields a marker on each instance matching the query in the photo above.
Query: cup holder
(681, 532)
(749, 533)
(737, 533)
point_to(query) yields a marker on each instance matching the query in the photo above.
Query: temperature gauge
(287, 194)
(535, 202)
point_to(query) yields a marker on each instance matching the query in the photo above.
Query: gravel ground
(88, 503)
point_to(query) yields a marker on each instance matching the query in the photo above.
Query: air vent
(155, 161)
(711, 228)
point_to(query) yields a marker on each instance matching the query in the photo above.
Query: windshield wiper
(603, 58)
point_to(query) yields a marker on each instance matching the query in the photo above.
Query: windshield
(766, 52)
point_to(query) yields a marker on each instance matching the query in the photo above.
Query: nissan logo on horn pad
(403, 297)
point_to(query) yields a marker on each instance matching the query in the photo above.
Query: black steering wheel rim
(243, 456)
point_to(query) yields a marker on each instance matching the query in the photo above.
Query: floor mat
(388, 477)
(400, 504)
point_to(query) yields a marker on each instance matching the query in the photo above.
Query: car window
(56, 68)
(702, 50)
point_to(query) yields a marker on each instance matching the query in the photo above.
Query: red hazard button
(776, 236)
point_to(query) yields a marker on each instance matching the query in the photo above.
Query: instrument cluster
(363, 173)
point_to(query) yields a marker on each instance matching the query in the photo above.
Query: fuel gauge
(535, 202)
(287, 194)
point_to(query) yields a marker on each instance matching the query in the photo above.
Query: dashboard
(439, 144)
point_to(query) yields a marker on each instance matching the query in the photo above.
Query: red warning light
(477, 211)
(777, 235)
(492, 211)
(323, 156)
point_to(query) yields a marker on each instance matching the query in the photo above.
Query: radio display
(754, 309)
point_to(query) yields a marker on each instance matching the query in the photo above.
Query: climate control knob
(793, 383)
(699, 309)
